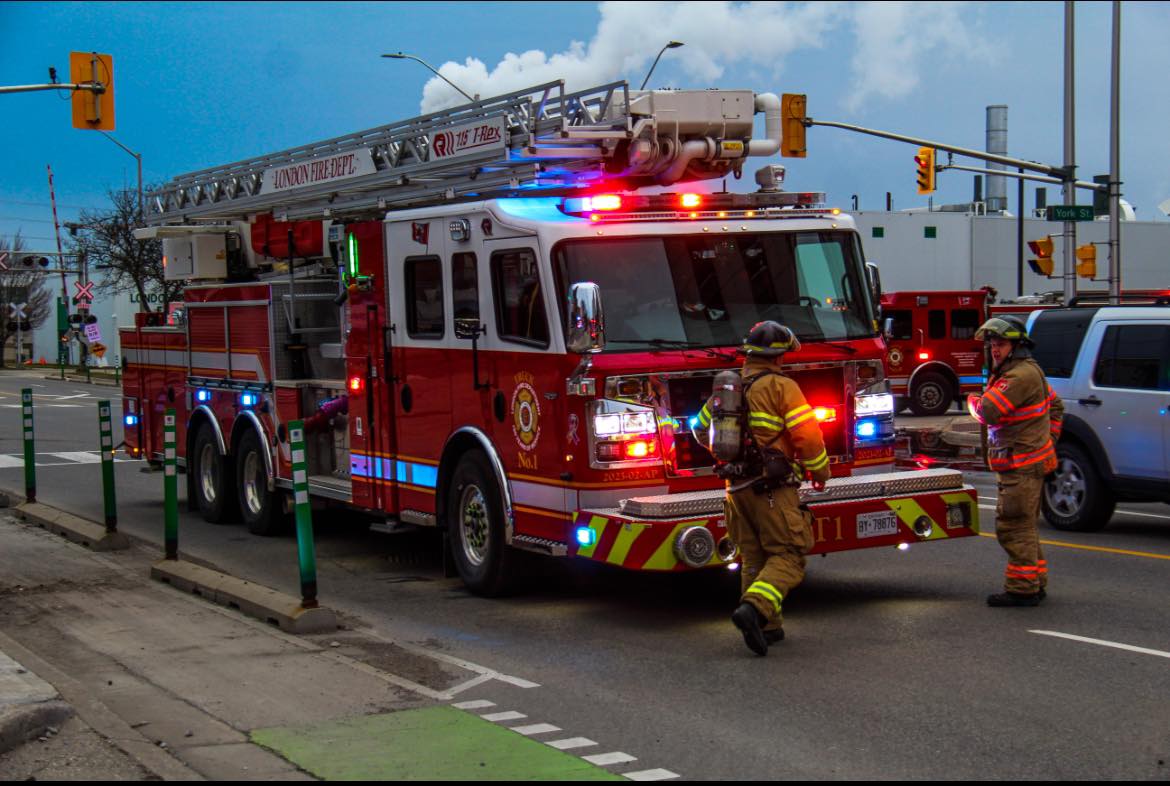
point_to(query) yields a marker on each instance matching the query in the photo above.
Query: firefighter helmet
(1010, 328)
(770, 339)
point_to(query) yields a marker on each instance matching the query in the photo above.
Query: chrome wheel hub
(1067, 489)
(207, 474)
(473, 524)
(253, 490)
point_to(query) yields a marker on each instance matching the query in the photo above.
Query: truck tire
(475, 527)
(931, 394)
(1075, 496)
(213, 479)
(260, 508)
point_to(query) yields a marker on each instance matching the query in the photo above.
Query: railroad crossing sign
(83, 292)
(17, 311)
(3, 260)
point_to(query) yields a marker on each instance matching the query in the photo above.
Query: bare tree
(106, 238)
(20, 285)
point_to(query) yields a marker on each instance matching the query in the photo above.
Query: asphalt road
(893, 668)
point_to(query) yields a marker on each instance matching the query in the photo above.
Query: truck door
(1124, 393)
(369, 375)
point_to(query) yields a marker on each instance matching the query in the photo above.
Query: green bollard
(30, 457)
(106, 433)
(170, 487)
(304, 515)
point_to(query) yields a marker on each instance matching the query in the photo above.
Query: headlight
(875, 404)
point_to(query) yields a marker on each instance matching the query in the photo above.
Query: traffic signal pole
(1068, 189)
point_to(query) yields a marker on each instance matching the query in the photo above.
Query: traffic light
(92, 110)
(33, 260)
(792, 130)
(925, 162)
(75, 319)
(1042, 248)
(1087, 261)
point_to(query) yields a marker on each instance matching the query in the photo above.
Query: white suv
(1111, 366)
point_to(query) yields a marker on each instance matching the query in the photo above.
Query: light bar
(722, 205)
(698, 503)
(825, 414)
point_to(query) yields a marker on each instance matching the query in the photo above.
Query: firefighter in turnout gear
(1023, 418)
(780, 443)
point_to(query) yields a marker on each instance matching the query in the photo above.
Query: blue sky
(198, 85)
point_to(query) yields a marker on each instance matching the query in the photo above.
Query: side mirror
(584, 319)
(875, 286)
(888, 328)
(468, 328)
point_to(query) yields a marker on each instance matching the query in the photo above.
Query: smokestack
(997, 143)
(978, 197)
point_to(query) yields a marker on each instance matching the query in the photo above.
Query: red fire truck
(932, 357)
(489, 326)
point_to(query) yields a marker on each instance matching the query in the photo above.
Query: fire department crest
(895, 357)
(525, 416)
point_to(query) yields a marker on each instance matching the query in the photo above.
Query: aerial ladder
(539, 141)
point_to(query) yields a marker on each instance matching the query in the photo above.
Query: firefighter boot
(748, 620)
(774, 635)
(1014, 599)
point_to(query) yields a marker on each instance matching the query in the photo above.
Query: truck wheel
(900, 404)
(213, 479)
(475, 527)
(1075, 496)
(932, 394)
(259, 507)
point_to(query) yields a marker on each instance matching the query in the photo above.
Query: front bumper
(660, 533)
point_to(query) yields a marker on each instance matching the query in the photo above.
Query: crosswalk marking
(81, 457)
(536, 728)
(61, 459)
(606, 759)
(11, 461)
(571, 742)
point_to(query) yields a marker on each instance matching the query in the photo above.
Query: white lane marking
(80, 457)
(463, 664)
(11, 461)
(471, 683)
(1102, 642)
(385, 676)
(478, 704)
(606, 759)
(504, 716)
(651, 775)
(536, 728)
(65, 406)
(571, 742)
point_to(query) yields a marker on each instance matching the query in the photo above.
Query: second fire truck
(490, 323)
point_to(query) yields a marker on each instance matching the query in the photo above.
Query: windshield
(704, 290)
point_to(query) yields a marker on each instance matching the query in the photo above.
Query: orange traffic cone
(42, 361)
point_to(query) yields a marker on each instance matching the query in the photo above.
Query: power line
(41, 204)
(30, 220)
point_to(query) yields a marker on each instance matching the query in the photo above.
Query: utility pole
(1070, 146)
(1115, 161)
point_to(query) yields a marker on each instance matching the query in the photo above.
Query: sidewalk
(165, 685)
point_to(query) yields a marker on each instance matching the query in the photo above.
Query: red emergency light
(690, 200)
(825, 414)
(605, 202)
(924, 355)
(356, 384)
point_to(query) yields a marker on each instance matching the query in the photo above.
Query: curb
(28, 705)
(77, 530)
(268, 605)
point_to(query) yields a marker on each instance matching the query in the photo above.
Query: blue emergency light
(867, 429)
(586, 536)
(249, 399)
(130, 420)
(203, 395)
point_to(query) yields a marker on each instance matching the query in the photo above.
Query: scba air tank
(726, 416)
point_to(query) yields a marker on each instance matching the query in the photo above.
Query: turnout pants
(1015, 528)
(773, 534)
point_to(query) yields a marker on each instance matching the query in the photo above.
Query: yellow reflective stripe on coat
(799, 415)
(818, 462)
(765, 589)
(705, 416)
(764, 420)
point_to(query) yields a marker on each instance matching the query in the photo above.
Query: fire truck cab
(502, 345)
(932, 358)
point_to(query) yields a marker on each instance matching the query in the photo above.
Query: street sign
(98, 349)
(84, 292)
(93, 333)
(1070, 213)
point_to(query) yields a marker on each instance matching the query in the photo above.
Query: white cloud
(894, 41)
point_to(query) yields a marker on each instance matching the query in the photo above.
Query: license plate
(872, 525)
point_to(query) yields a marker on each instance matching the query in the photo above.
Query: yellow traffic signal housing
(925, 162)
(92, 110)
(1042, 248)
(1087, 261)
(792, 130)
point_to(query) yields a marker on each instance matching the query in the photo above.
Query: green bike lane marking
(433, 743)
